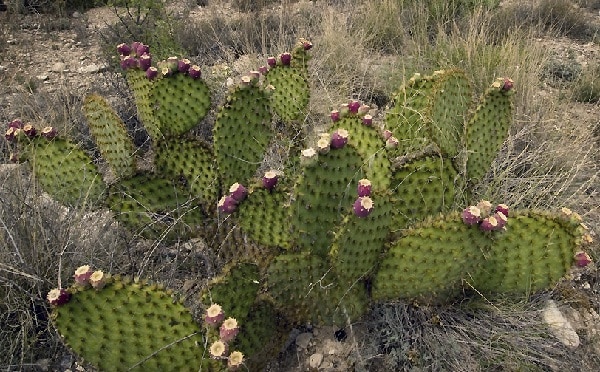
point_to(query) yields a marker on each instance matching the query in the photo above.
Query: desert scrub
(587, 88)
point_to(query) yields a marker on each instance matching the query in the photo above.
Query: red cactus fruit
(218, 349)
(353, 106)
(386, 134)
(272, 61)
(269, 180)
(11, 134)
(263, 70)
(285, 58)
(145, 61)
(367, 120)
(489, 223)
(582, 259)
(238, 192)
(123, 49)
(306, 45)
(214, 315)
(29, 130)
(334, 115)
(58, 296)
(97, 280)
(507, 85)
(364, 187)
(128, 62)
(135, 45)
(235, 360)
(48, 133)
(339, 138)
(502, 208)
(151, 73)
(229, 329)
(183, 65)
(227, 204)
(195, 72)
(485, 207)
(391, 143)
(308, 157)
(363, 206)
(471, 215)
(142, 49)
(502, 219)
(17, 124)
(82, 275)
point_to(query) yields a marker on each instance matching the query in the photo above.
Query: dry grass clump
(587, 87)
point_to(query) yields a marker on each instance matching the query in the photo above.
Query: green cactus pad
(141, 87)
(110, 136)
(324, 193)
(179, 103)
(128, 326)
(290, 97)
(305, 288)
(66, 172)
(430, 260)
(371, 147)
(242, 133)
(422, 187)
(488, 129)
(359, 242)
(264, 216)
(154, 208)
(534, 252)
(190, 163)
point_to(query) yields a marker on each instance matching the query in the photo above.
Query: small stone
(303, 339)
(58, 67)
(559, 326)
(315, 360)
(42, 77)
(92, 69)
(76, 14)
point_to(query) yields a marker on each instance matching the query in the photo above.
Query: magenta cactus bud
(306, 45)
(184, 65)
(387, 134)
(582, 259)
(367, 120)
(128, 62)
(11, 134)
(17, 124)
(334, 115)
(353, 106)
(123, 49)
(471, 215)
(285, 58)
(272, 61)
(308, 157)
(238, 192)
(269, 180)
(363, 206)
(135, 45)
(227, 204)
(485, 207)
(501, 219)
(339, 138)
(364, 187)
(218, 350)
(151, 72)
(97, 280)
(235, 360)
(507, 84)
(145, 62)
(364, 109)
(142, 49)
(57, 297)
(391, 143)
(48, 133)
(214, 315)
(502, 208)
(195, 72)
(82, 275)
(263, 70)
(489, 224)
(229, 329)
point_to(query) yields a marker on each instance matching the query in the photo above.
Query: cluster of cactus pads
(372, 209)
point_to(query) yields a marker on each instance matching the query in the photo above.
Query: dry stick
(12, 240)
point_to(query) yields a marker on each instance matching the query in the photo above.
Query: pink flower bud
(97, 280)
(306, 45)
(582, 259)
(363, 206)
(229, 329)
(364, 187)
(123, 49)
(238, 192)
(82, 275)
(353, 106)
(507, 85)
(214, 315)
(339, 138)
(142, 49)
(48, 133)
(263, 70)
(11, 134)
(17, 124)
(272, 61)
(135, 45)
(501, 219)
(57, 297)
(184, 65)
(151, 73)
(367, 120)
(227, 204)
(269, 180)
(128, 62)
(502, 208)
(489, 224)
(387, 134)
(471, 215)
(392, 143)
(335, 115)
(145, 61)
(195, 72)
(285, 58)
